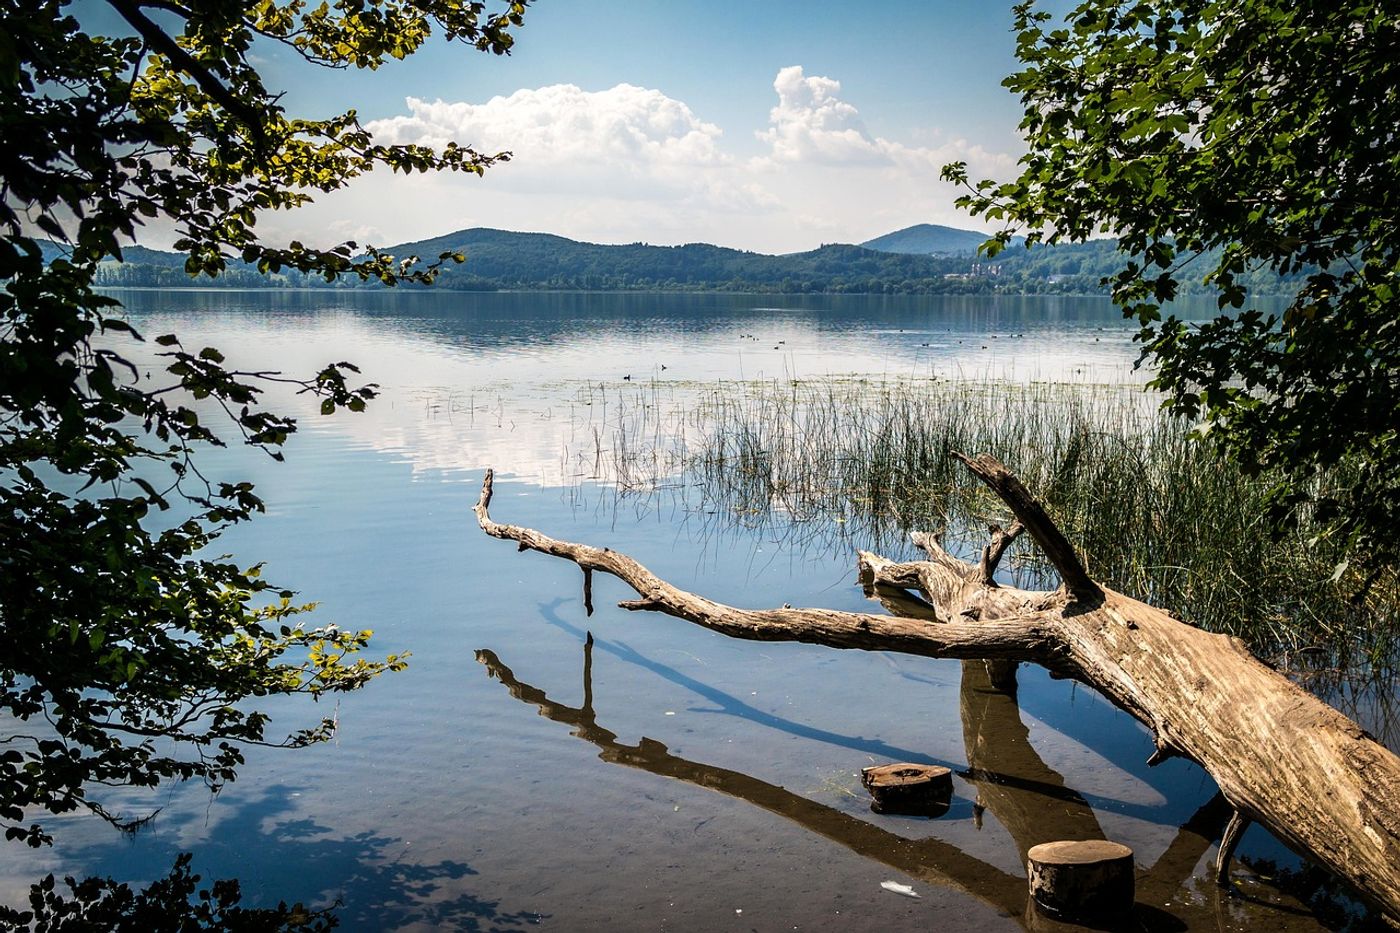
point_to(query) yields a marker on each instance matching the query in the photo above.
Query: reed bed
(837, 462)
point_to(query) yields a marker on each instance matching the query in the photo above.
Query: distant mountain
(487, 237)
(505, 260)
(929, 240)
(140, 255)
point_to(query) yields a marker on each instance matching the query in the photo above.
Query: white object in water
(894, 887)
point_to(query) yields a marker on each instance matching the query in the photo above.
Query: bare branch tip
(484, 502)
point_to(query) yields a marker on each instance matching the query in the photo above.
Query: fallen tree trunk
(1280, 756)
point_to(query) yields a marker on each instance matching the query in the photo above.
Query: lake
(656, 776)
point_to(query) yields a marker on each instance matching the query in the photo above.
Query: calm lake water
(664, 778)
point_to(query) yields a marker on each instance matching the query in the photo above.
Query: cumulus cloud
(562, 122)
(631, 163)
(629, 141)
(812, 124)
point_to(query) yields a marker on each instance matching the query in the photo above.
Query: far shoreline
(419, 289)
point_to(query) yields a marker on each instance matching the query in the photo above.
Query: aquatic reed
(851, 461)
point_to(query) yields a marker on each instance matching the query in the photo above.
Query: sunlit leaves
(1216, 140)
(132, 645)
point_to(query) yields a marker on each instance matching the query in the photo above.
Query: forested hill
(500, 259)
(929, 240)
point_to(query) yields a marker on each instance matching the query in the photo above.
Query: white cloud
(626, 142)
(562, 122)
(812, 124)
(631, 163)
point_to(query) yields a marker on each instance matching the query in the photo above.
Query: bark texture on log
(1280, 756)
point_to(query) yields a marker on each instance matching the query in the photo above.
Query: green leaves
(1218, 141)
(134, 646)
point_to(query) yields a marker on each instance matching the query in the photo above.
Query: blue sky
(915, 64)
(773, 126)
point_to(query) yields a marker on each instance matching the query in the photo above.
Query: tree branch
(1024, 638)
(162, 42)
(993, 552)
(1032, 515)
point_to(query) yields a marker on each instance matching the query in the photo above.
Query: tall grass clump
(1157, 514)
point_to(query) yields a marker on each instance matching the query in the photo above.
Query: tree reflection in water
(1023, 793)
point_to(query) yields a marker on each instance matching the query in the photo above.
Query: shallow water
(662, 777)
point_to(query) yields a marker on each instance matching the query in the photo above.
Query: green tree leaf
(130, 641)
(1218, 141)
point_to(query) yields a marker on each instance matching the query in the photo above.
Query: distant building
(979, 270)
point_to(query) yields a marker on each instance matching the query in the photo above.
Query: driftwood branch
(996, 548)
(1280, 756)
(1032, 515)
(1022, 638)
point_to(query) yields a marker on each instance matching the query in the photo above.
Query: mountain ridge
(508, 260)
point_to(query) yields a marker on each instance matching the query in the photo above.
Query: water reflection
(473, 378)
(1007, 765)
(726, 704)
(1023, 793)
(929, 860)
(372, 878)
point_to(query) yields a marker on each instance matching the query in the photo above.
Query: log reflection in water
(1026, 796)
(727, 704)
(930, 860)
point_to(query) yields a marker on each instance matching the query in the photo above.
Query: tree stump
(1083, 880)
(909, 789)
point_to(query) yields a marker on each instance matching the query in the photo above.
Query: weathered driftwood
(1281, 757)
(1089, 880)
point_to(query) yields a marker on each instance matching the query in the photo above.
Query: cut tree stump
(1088, 880)
(909, 789)
(1281, 757)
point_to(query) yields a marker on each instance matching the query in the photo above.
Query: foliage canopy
(1215, 139)
(126, 650)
